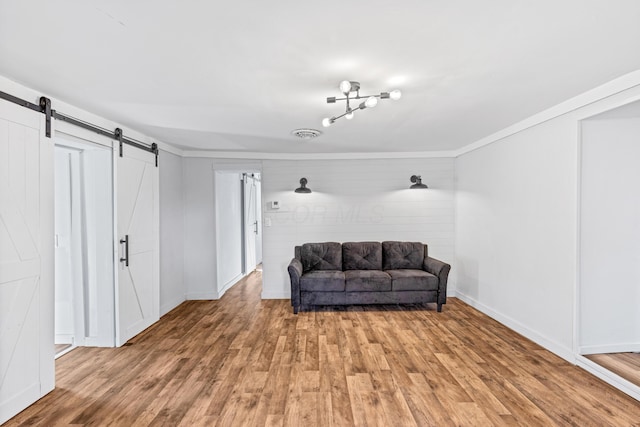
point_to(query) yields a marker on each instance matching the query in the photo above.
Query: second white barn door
(138, 294)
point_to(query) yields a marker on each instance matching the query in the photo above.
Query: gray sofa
(366, 273)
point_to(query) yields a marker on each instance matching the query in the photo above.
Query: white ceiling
(241, 75)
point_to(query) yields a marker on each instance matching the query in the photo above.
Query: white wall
(610, 236)
(353, 200)
(200, 267)
(228, 209)
(172, 285)
(516, 226)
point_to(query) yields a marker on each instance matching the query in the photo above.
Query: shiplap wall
(353, 200)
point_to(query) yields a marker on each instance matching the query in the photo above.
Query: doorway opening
(609, 278)
(83, 206)
(238, 218)
(252, 222)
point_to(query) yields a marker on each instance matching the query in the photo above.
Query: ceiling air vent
(306, 133)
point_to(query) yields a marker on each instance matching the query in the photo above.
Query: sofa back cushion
(401, 255)
(362, 256)
(321, 256)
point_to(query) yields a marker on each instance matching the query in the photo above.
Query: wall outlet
(267, 222)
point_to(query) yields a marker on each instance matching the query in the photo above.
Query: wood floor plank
(248, 362)
(626, 365)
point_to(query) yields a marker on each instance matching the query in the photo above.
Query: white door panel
(64, 279)
(137, 210)
(26, 260)
(251, 224)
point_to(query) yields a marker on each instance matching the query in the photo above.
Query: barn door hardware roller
(45, 105)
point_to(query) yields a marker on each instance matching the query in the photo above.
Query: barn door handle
(126, 250)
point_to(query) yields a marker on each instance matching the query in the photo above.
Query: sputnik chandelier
(351, 91)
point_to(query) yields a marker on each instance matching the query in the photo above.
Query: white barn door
(138, 294)
(27, 367)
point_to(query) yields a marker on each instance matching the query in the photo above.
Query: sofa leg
(439, 307)
(295, 309)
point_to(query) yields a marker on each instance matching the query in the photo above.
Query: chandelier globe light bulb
(371, 102)
(395, 95)
(326, 122)
(345, 86)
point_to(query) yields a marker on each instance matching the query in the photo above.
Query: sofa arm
(441, 270)
(295, 272)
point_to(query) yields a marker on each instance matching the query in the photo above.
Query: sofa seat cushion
(401, 255)
(321, 256)
(412, 280)
(362, 256)
(322, 281)
(367, 281)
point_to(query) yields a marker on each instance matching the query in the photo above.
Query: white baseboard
(610, 348)
(168, 306)
(230, 283)
(99, 342)
(276, 295)
(133, 330)
(552, 346)
(202, 296)
(609, 377)
(63, 339)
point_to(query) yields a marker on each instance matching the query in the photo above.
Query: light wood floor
(627, 365)
(59, 348)
(243, 361)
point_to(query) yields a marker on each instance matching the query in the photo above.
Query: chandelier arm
(353, 97)
(366, 96)
(334, 118)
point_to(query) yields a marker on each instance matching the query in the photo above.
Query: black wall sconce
(303, 186)
(417, 180)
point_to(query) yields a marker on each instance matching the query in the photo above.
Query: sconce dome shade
(417, 180)
(303, 187)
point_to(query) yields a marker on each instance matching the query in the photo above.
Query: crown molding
(317, 156)
(609, 89)
(170, 148)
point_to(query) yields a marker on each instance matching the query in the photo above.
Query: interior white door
(250, 223)
(65, 214)
(259, 221)
(138, 299)
(26, 260)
